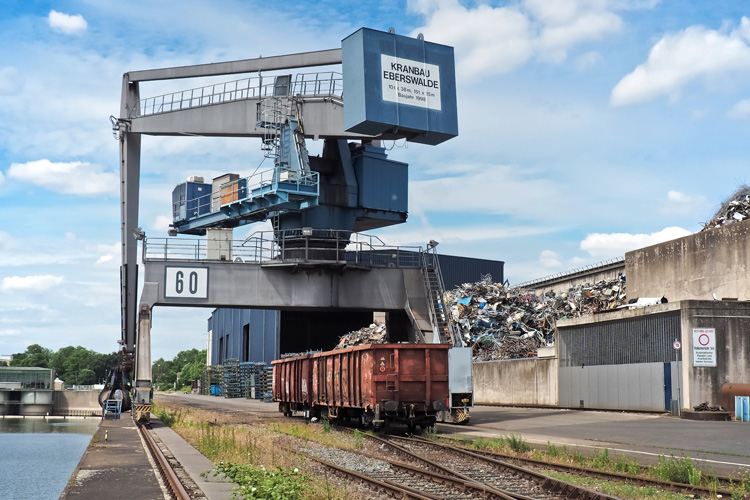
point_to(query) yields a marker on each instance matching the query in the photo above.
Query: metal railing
(288, 246)
(305, 84)
(574, 272)
(430, 261)
(318, 84)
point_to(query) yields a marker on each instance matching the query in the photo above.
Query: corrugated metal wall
(459, 270)
(640, 387)
(625, 364)
(645, 339)
(244, 334)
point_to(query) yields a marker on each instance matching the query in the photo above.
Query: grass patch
(677, 470)
(430, 432)
(517, 444)
(259, 483)
(262, 458)
(617, 489)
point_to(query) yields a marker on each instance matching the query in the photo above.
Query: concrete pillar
(143, 357)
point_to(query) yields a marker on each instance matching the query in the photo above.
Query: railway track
(722, 488)
(174, 487)
(443, 474)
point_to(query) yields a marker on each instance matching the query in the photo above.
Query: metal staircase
(439, 315)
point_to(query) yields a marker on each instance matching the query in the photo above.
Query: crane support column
(143, 392)
(130, 173)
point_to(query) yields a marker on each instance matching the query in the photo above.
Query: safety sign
(704, 347)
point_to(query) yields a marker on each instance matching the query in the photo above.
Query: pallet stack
(265, 383)
(232, 384)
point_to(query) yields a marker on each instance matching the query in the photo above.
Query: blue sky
(587, 128)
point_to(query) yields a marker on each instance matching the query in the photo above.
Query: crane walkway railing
(322, 84)
(293, 246)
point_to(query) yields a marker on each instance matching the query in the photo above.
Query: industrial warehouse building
(257, 335)
(657, 358)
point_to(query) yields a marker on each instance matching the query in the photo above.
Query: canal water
(38, 456)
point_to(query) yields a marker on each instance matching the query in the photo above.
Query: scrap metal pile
(735, 209)
(506, 323)
(373, 334)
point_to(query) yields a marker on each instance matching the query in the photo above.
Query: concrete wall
(731, 321)
(693, 267)
(573, 278)
(75, 403)
(531, 381)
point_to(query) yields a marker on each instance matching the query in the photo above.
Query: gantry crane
(395, 87)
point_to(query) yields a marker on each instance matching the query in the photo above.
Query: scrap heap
(735, 209)
(506, 323)
(373, 334)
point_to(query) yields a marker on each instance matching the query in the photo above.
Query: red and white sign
(704, 347)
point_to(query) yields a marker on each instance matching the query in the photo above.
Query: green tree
(69, 361)
(86, 377)
(35, 355)
(188, 364)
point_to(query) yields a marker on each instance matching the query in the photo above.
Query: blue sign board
(400, 85)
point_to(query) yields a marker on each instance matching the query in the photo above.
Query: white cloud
(9, 333)
(588, 59)
(550, 259)
(33, 283)
(2, 178)
(495, 40)
(570, 22)
(160, 224)
(740, 110)
(67, 24)
(110, 254)
(603, 246)
(68, 178)
(681, 203)
(678, 59)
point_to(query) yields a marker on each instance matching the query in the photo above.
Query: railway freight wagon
(375, 384)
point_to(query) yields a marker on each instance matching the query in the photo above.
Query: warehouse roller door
(624, 364)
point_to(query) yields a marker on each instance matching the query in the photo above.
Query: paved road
(720, 447)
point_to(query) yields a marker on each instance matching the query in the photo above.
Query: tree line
(81, 366)
(74, 365)
(180, 371)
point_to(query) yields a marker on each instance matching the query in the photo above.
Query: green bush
(326, 424)
(677, 470)
(259, 483)
(517, 444)
(579, 458)
(430, 432)
(358, 439)
(601, 459)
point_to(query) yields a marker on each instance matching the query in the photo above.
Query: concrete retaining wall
(693, 267)
(731, 322)
(75, 403)
(531, 381)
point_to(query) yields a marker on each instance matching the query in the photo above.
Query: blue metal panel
(383, 183)
(229, 324)
(667, 386)
(190, 199)
(458, 270)
(394, 82)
